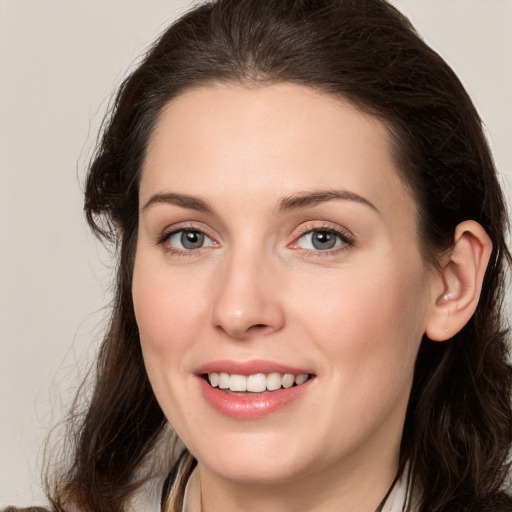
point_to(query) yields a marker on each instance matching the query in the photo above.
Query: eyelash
(346, 238)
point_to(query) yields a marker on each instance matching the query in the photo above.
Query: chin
(260, 459)
(256, 470)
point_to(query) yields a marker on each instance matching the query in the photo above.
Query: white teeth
(300, 379)
(257, 383)
(288, 380)
(214, 379)
(223, 380)
(237, 383)
(274, 381)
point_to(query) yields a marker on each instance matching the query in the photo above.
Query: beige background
(59, 62)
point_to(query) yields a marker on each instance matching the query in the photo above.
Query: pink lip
(254, 405)
(248, 367)
(251, 406)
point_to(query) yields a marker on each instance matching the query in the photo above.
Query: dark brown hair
(458, 426)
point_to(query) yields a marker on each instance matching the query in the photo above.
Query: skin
(354, 315)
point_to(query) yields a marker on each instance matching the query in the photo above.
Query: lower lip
(251, 406)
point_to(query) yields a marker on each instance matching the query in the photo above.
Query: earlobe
(459, 284)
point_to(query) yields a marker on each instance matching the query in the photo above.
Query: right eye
(189, 240)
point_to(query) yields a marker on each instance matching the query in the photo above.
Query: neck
(332, 489)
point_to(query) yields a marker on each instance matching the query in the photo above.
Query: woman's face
(277, 243)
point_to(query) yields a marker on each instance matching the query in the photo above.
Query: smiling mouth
(255, 383)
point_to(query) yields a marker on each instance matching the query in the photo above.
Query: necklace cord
(386, 496)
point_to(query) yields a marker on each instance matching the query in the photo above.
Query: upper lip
(249, 367)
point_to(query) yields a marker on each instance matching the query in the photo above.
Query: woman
(311, 244)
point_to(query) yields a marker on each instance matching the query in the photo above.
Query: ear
(456, 289)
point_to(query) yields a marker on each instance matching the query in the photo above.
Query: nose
(248, 301)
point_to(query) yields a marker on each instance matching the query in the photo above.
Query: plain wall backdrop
(60, 61)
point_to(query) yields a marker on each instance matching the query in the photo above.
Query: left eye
(320, 240)
(189, 240)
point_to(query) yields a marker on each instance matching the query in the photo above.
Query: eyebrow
(308, 199)
(297, 201)
(181, 200)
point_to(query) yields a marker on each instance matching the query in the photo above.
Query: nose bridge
(247, 300)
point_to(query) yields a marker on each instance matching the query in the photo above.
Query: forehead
(266, 142)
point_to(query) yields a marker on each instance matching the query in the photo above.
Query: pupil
(323, 240)
(192, 239)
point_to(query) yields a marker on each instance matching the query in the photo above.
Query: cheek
(167, 310)
(167, 304)
(368, 337)
(371, 323)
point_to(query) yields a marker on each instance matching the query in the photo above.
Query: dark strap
(383, 502)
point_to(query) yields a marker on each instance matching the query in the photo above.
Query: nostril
(258, 327)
